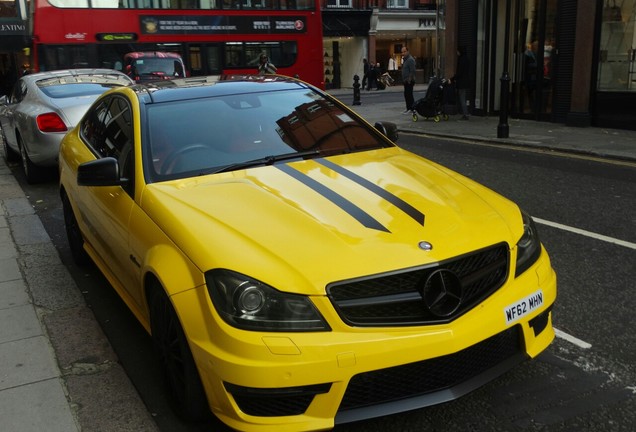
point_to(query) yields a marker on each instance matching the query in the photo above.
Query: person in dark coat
(365, 75)
(408, 79)
(373, 77)
(462, 80)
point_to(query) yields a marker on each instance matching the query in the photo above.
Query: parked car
(147, 66)
(294, 267)
(43, 107)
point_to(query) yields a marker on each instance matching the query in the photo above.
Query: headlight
(528, 247)
(248, 304)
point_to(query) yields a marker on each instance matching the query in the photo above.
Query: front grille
(429, 376)
(397, 299)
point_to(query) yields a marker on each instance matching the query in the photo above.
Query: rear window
(75, 90)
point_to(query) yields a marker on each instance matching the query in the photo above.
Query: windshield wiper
(267, 160)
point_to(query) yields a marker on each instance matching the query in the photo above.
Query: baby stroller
(432, 104)
(385, 81)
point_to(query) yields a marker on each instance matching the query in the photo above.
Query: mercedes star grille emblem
(442, 293)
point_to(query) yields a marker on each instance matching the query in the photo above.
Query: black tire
(73, 234)
(9, 155)
(181, 376)
(31, 171)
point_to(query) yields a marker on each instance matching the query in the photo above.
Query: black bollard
(356, 90)
(503, 129)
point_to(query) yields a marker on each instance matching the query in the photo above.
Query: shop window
(397, 4)
(339, 4)
(617, 68)
(8, 9)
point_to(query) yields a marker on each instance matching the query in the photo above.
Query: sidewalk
(591, 141)
(57, 370)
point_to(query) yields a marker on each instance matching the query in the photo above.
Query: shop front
(345, 44)
(350, 36)
(615, 60)
(564, 61)
(14, 42)
(421, 31)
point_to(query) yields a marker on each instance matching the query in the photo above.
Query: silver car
(43, 107)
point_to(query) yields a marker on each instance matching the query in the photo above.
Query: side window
(108, 129)
(19, 91)
(118, 127)
(93, 127)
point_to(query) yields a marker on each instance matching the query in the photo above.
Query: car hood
(301, 225)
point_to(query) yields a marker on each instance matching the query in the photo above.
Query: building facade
(376, 30)
(564, 61)
(568, 61)
(14, 41)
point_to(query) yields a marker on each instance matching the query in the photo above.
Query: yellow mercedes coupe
(295, 268)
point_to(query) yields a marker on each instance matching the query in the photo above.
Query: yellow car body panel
(284, 226)
(297, 230)
(298, 359)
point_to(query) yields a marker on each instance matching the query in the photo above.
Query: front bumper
(311, 381)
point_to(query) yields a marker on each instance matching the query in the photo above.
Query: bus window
(63, 57)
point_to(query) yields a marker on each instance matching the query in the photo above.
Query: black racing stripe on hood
(407, 208)
(356, 212)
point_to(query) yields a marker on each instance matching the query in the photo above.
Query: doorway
(535, 54)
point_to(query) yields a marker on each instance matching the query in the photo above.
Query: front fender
(174, 271)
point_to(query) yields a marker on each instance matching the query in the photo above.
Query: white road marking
(573, 340)
(561, 334)
(587, 233)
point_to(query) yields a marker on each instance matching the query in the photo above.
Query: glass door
(535, 59)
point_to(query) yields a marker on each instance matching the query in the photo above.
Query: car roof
(84, 75)
(212, 86)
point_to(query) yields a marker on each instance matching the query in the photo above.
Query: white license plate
(523, 307)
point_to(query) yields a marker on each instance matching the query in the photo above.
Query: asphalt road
(586, 381)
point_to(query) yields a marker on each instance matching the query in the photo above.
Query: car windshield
(203, 136)
(75, 90)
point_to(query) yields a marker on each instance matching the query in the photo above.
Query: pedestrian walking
(461, 80)
(365, 70)
(408, 79)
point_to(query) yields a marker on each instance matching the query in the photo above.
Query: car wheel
(9, 154)
(185, 389)
(31, 171)
(73, 233)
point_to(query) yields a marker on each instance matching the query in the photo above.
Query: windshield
(159, 67)
(197, 137)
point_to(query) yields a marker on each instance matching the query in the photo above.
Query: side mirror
(389, 129)
(99, 172)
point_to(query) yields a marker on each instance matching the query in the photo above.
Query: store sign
(116, 37)
(17, 28)
(193, 24)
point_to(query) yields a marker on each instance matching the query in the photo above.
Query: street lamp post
(503, 129)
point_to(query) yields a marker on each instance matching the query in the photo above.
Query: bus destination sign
(116, 37)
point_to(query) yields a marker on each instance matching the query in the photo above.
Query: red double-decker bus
(212, 36)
